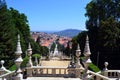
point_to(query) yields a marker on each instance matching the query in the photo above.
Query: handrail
(47, 67)
(112, 73)
(112, 70)
(6, 74)
(97, 74)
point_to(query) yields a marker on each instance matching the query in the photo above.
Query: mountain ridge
(68, 32)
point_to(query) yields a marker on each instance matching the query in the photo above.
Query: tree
(104, 29)
(7, 34)
(67, 50)
(12, 23)
(109, 33)
(22, 27)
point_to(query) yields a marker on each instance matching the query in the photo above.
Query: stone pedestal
(29, 72)
(79, 67)
(78, 73)
(18, 77)
(71, 72)
(98, 78)
(105, 69)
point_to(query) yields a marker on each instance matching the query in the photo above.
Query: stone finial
(73, 61)
(29, 50)
(78, 65)
(87, 52)
(87, 59)
(18, 60)
(36, 61)
(29, 53)
(78, 51)
(78, 47)
(87, 48)
(29, 47)
(3, 68)
(106, 65)
(18, 49)
(2, 63)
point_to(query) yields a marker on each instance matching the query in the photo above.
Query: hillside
(68, 32)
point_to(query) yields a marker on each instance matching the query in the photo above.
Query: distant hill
(68, 32)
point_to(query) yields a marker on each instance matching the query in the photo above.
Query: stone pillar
(87, 59)
(18, 61)
(29, 64)
(78, 65)
(46, 70)
(64, 71)
(118, 75)
(105, 69)
(59, 71)
(98, 78)
(53, 71)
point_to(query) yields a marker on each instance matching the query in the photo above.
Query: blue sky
(52, 15)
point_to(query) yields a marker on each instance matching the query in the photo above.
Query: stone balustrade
(49, 71)
(52, 71)
(7, 76)
(112, 73)
(96, 76)
(3, 70)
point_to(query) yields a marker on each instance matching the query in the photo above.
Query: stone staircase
(73, 70)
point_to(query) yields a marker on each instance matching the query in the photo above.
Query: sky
(52, 15)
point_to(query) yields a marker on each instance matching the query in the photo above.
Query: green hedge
(23, 64)
(36, 55)
(94, 67)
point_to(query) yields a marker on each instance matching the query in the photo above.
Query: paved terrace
(51, 78)
(55, 63)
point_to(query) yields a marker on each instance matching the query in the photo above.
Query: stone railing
(7, 76)
(112, 73)
(51, 71)
(4, 71)
(97, 76)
